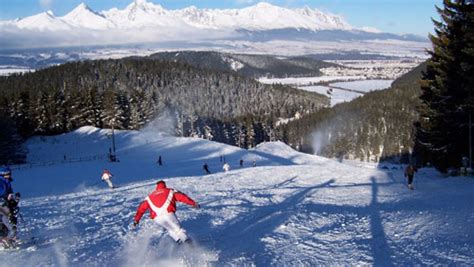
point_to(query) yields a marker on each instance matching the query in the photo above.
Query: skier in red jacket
(162, 206)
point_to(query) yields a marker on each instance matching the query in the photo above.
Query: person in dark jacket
(410, 173)
(206, 168)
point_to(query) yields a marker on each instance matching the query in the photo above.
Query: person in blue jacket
(6, 193)
(5, 183)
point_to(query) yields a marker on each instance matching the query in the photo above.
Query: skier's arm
(3, 188)
(140, 211)
(181, 197)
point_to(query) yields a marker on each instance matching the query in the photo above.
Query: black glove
(135, 224)
(196, 206)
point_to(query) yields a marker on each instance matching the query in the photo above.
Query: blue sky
(395, 16)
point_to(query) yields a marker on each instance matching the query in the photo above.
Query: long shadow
(380, 249)
(242, 235)
(246, 232)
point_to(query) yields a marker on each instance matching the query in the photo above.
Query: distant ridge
(145, 22)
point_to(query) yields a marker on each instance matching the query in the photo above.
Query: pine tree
(447, 86)
(10, 140)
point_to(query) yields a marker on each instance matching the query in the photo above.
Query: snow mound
(282, 150)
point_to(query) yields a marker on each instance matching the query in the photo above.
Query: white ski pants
(109, 183)
(170, 222)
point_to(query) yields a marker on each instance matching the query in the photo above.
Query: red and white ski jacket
(106, 175)
(163, 199)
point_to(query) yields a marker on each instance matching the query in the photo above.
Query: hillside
(248, 65)
(129, 93)
(347, 214)
(376, 126)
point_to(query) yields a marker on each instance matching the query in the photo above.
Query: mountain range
(143, 14)
(145, 22)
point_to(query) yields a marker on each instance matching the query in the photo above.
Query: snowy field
(364, 86)
(292, 209)
(10, 70)
(339, 96)
(336, 95)
(389, 69)
(302, 81)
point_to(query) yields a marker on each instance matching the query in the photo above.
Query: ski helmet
(5, 171)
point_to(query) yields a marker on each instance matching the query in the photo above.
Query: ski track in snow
(293, 209)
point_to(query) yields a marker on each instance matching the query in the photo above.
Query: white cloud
(371, 29)
(46, 4)
(13, 37)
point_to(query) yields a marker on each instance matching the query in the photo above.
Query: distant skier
(6, 195)
(206, 168)
(226, 167)
(254, 164)
(465, 165)
(241, 163)
(107, 177)
(410, 173)
(159, 161)
(162, 206)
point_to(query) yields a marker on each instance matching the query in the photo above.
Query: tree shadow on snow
(243, 235)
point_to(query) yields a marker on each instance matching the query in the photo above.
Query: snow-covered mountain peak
(82, 6)
(139, 13)
(145, 6)
(263, 6)
(42, 21)
(84, 17)
(142, 13)
(323, 19)
(141, 2)
(81, 10)
(144, 21)
(264, 9)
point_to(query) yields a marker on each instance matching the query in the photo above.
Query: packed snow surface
(291, 209)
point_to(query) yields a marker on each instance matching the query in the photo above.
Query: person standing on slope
(206, 168)
(6, 193)
(107, 177)
(226, 167)
(162, 206)
(5, 183)
(409, 173)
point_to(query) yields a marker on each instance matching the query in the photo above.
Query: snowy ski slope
(292, 209)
